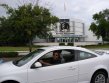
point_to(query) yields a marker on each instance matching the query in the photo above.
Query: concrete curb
(22, 52)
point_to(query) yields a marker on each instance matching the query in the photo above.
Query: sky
(77, 9)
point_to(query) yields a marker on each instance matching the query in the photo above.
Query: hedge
(61, 44)
(70, 44)
(8, 54)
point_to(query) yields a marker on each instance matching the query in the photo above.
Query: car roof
(50, 48)
(62, 47)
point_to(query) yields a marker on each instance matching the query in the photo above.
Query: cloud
(79, 9)
(99, 7)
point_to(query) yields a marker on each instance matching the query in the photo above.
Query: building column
(55, 39)
(58, 27)
(83, 31)
(73, 26)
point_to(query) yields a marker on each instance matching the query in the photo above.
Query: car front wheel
(99, 77)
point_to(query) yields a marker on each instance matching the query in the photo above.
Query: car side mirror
(37, 65)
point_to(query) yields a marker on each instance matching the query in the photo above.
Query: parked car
(102, 52)
(78, 65)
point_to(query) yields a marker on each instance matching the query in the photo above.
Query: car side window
(51, 58)
(85, 55)
(68, 55)
(48, 55)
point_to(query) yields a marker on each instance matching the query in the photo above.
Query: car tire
(99, 77)
(10, 82)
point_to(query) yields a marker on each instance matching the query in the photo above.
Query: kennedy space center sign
(68, 26)
(64, 25)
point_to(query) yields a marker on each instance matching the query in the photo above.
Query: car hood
(7, 68)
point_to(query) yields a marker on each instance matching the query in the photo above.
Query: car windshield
(27, 58)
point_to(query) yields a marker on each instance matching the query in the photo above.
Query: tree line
(23, 24)
(100, 25)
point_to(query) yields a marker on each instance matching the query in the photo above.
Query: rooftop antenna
(65, 9)
(37, 2)
(33, 2)
(64, 6)
(19, 2)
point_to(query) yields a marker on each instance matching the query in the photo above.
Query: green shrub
(99, 43)
(70, 44)
(8, 54)
(61, 44)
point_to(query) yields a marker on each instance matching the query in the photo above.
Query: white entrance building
(69, 30)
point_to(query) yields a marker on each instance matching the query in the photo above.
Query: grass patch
(25, 48)
(16, 48)
(8, 54)
(104, 46)
(20, 48)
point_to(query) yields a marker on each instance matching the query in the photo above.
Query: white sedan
(76, 65)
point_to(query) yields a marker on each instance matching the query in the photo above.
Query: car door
(87, 62)
(61, 73)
